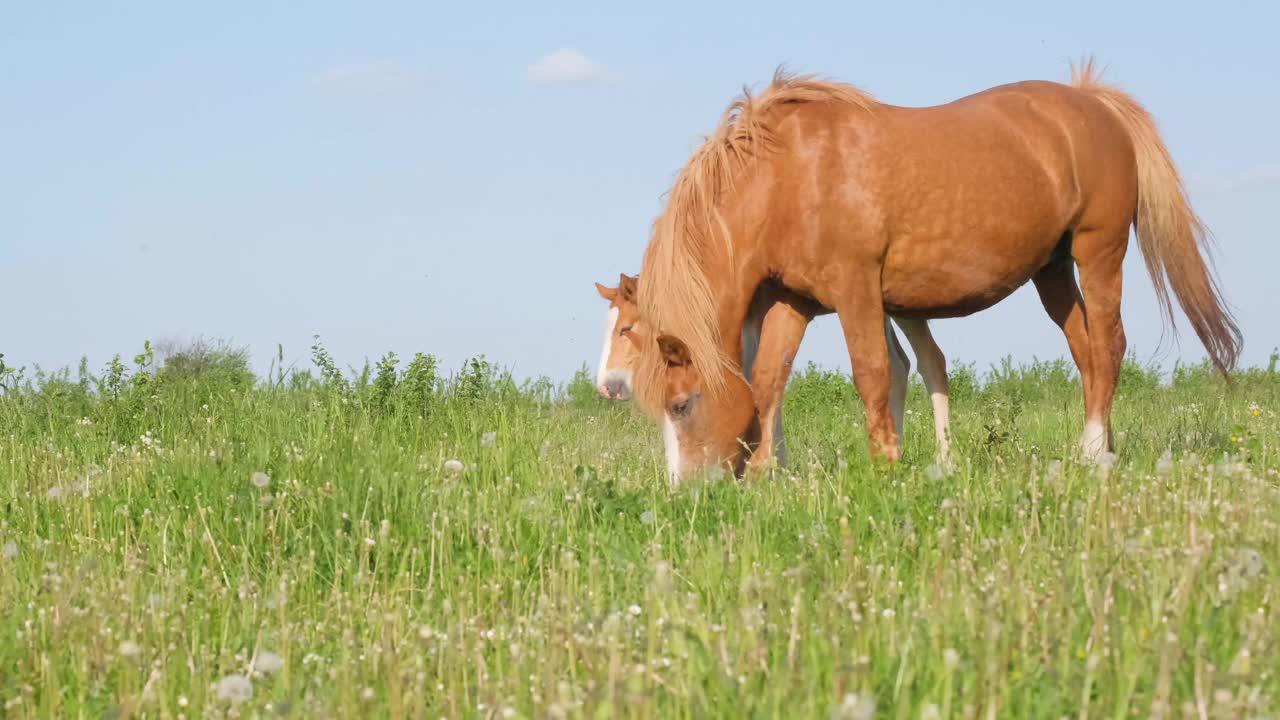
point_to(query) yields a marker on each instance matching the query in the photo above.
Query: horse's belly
(938, 280)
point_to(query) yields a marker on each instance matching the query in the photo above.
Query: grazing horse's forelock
(675, 297)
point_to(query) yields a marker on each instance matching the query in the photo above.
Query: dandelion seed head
(454, 467)
(260, 479)
(234, 689)
(951, 658)
(488, 439)
(10, 550)
(856, 707)
(268, 662)
(129, 649)
(1053, 472)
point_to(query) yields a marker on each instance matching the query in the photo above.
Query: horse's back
(976, 194)
(960, 202)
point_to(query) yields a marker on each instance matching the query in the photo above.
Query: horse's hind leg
(1100, 256)
(933, 369)
(1056, 284)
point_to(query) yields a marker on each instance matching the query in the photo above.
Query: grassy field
(181, 539)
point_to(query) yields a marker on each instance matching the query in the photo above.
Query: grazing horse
(618, 359)
(775, 325)
(868, 208)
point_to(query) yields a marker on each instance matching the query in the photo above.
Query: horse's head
(700, 430)
(617, 360)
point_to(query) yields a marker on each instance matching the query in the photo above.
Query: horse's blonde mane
(675, 297)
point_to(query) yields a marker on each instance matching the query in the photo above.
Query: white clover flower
(635, 610)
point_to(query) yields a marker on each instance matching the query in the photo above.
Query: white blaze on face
(671, 441)
(610, 329)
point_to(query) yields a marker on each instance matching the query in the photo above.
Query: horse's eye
(680, 408)
(625, 330)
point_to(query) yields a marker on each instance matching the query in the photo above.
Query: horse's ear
(607, 293)
(674, 351)
(627, 287)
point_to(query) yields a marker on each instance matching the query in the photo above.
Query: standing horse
(868, 208)
(775, 325)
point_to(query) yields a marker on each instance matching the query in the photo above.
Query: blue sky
(451, 178)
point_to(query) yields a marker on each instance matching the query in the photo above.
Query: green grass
(557, 575)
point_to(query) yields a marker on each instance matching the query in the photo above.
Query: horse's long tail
(1174, 242)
